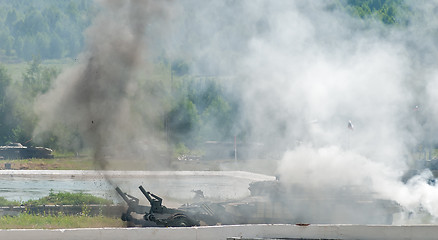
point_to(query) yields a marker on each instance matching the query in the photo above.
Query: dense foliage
(387, 11)
(202, 110)
(50, 29)
(18, 120)
(54, 29)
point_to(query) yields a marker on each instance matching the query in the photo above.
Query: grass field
(60, 198)
(47, 221)
(63, 163)
(28, 221)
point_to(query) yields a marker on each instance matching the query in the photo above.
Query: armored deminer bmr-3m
(155, 215)
(270, 203)
(18, 151)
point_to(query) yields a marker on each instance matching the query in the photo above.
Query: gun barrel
(146, 194)
(122, 194)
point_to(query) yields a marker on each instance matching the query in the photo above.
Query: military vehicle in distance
(18, 151)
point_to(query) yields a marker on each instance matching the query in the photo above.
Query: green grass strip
(66, 198)
(28, 221)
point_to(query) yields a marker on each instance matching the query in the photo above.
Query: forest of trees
(17, 119)
(388, 11)
(198, 106)
(38, 30)
(54, 29)
(49, 29)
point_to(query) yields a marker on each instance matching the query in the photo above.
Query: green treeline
(195, 108)
(202, 110)
(17, 119)
(49, 29)
(54, 29)
(387, 11)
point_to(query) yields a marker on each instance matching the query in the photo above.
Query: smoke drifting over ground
(306, 69)
(303, 69)
(93, 96)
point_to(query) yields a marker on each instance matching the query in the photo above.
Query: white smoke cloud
(296, 61)
(331, 168)
(306, 69)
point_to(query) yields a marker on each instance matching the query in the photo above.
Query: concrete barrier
(363, 232)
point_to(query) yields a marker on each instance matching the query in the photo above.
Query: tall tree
(5, 106)
(37, 79)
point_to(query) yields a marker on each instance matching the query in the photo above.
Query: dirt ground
(48, 164)
(264, 166)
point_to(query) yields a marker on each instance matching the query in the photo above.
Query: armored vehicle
(18, 151)
(274, 202)
(154, 215)
(270, 202)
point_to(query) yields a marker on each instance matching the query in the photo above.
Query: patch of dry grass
(83, 163)
(28, 221)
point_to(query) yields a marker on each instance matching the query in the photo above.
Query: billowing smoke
(94, 96)
(303, 69)
(306, 69)
(319, 64)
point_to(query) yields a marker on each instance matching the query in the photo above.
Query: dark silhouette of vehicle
(18, 151)
(155, 215)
